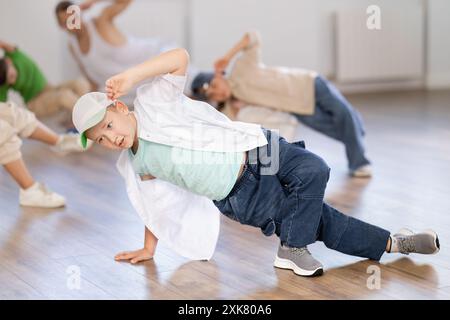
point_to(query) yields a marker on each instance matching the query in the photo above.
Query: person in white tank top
(100, 48)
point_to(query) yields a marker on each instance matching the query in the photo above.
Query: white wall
(438, 56)
(295, 32)
(157, 18)
(288, 29)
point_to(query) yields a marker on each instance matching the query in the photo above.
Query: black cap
(199, 85)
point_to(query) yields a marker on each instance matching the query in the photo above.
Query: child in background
(252, 175)
(16, 123)
(304, 94)
(19, 72)
(100, 47)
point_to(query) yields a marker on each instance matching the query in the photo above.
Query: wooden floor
(408, 141)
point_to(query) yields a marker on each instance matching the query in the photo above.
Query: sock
(284, 245)
(60, 139)
(32, 187)
(394, 245)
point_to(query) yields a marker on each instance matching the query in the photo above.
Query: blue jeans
(335, 117)
(289, 202)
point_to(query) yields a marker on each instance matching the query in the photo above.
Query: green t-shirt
(30, 80)
(207, 173)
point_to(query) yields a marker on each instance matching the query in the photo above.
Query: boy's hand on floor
(118, 85)
(135, 256)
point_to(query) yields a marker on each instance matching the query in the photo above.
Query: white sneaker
(70, 142)
(39, 196)
(362, 172)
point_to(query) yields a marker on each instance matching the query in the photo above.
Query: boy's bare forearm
(115, 9)
(150, 240)
(87, 4)
(241, 45)
(175, 61)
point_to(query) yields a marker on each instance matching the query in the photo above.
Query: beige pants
(56, 98)
(15, 123)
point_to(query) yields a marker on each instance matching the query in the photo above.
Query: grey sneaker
(299, 260)
(426, 242)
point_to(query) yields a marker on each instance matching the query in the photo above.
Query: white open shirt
(185, 222)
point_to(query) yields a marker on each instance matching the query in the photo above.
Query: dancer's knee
(67, 98)
(319, 168)
(313, 171)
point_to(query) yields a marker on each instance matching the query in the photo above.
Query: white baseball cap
(89, 110)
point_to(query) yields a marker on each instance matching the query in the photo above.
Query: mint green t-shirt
(207, 173)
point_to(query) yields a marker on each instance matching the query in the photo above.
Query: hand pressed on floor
(135, 256)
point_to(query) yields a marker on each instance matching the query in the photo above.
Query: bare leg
(67, 98)
(79, 86)
(44, 134)
(18, 170)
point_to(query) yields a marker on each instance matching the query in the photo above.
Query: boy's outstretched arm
(111, 11)
(146, 253)
(222, 63)
(175, 61)
(116, 8)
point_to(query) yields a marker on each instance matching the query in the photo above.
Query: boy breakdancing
(251, 174)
